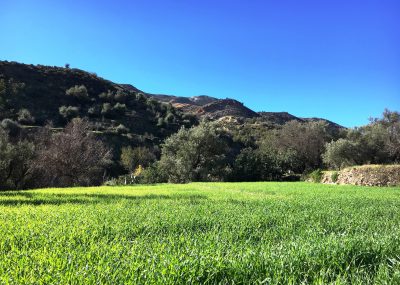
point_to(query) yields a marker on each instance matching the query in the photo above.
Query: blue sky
(338, 60)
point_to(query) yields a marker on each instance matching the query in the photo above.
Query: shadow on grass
(59, 199)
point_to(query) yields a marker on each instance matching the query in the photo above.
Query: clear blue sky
(334, 59)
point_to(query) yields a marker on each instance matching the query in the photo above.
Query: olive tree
(341, 153)
(78, 91)
(15, 162)
(195, 154)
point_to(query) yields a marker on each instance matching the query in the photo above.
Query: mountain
(49, 94)
(216, 109)
(213, 108)
(121, 114)
(43, 92)
(205, 106)
(226, 107)
(281, 118)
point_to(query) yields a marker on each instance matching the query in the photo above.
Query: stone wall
(366, 175)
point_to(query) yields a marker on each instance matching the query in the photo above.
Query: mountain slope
(42, 90)
(226, 107)
(214, 108)
(50, 94)
(203, 105)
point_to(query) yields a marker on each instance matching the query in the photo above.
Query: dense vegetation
(213, 152)
(36, 96)
(243, 233)
(64, 127)
(376, 143)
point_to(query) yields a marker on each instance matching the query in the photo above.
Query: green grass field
(236, 233)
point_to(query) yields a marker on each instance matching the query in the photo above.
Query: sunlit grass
(276, 233)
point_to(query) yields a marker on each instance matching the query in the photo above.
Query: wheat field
(201, 233)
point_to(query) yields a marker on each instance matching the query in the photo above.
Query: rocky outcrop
(226, 107)
(204, 106)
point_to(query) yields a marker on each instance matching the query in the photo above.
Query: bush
(68, 112)
(119, 108)
(121, 129)
(375, 143)
(25, 117)
(152, 174)
(78, 91)
(160, 122)
(10, 126)
(316, 176)
(107, 110)
(334, 176)
(120, 96)
(94, 111)
(109, 95)
(169, 118)
(131, 158)
(140, 97)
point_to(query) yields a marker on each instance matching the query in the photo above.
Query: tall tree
(72, 157)
(195, 154)
(15, 162)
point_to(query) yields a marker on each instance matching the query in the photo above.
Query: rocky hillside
(281, 118)
(231, 110)
(35, 95)
(203, 105)
(214, 108)
(225, 107)
(43, 92)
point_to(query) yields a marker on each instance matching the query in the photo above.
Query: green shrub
(316, 176)
(68, 112)
(152, 174)
(131, 158)
(25, 117)
(169, 118)
(120, 96)
(78, 91)
(94, 111)
(140, 97)
(107, 110)
(335, 176)
(109, 95)
(119, 108)
(10, 126)
(160, 122)
(121, 129)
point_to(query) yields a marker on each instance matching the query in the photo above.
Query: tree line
(71, 157)
(212, 152)
(209, 151)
